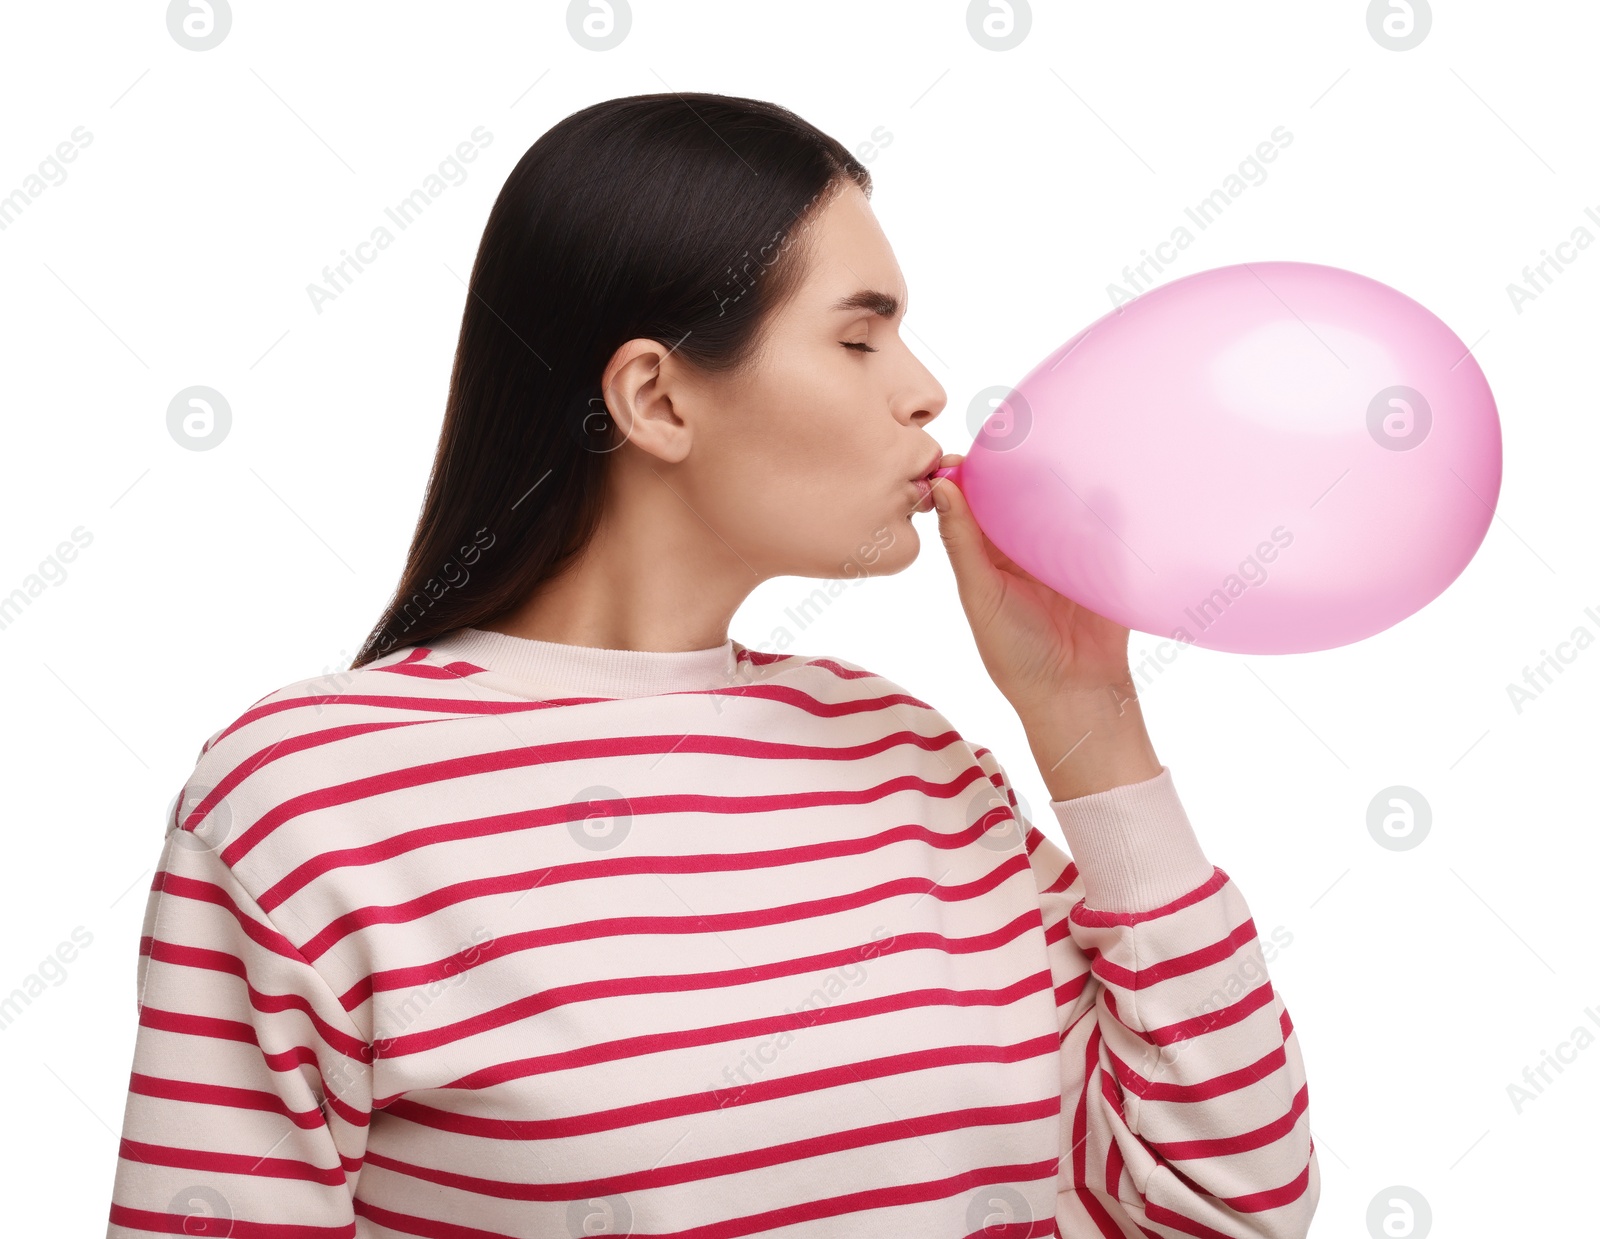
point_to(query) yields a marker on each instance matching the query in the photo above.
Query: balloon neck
(948, 471)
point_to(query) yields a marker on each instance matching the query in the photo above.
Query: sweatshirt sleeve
(1184, 1096)
(250, 1092)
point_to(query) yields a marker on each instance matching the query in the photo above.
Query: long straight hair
(670, 217)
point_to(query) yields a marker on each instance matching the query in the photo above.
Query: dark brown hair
(668, 217)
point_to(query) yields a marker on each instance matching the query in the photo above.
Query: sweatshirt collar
(545, 669)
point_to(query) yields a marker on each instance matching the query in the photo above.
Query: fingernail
(941, 501)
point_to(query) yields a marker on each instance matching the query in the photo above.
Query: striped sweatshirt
(496, 937)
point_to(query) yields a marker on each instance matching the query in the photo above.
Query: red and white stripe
(391, 986)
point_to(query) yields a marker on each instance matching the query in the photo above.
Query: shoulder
(836, 700)
(409, 681)
(823, 674)
(973, 770)
(301, 735)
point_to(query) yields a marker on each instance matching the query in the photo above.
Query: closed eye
(860, 345)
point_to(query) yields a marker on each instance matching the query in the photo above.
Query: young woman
(563, 913)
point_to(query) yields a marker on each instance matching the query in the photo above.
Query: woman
(564, 913)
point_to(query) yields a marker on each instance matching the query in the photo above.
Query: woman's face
(804, 464)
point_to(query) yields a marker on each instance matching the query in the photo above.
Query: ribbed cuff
(1133, 845)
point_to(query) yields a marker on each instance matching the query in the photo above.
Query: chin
(896, 549)
(883, 549)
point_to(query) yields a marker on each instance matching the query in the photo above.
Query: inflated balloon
(1273, 457)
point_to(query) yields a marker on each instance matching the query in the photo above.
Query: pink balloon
(1271, 458)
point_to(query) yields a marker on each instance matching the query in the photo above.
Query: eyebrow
(882, 304)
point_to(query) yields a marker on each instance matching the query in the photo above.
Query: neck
(657, 592)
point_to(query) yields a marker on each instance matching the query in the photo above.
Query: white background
(1014, 187)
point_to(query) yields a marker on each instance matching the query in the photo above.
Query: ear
(640, 386)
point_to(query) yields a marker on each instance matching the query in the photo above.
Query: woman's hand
(1035, 643)
(1063, 668)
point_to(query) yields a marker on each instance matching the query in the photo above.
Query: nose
(929, 400)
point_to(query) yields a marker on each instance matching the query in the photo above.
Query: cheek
(849, 528)
(823, 398)
(811, 518)
(803, 472)
(808, 436)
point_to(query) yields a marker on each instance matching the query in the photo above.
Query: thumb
(976, 577)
